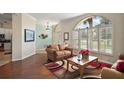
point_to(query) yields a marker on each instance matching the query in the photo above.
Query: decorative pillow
(62, 47)
(115, 64)
(55, 47)
(48, 46)
(120, 66)
(121, 57)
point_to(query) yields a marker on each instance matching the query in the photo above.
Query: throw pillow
(62, 47)
(120, 66)
(121, 57)
(115, 64)
(48, 46)
(55, 47)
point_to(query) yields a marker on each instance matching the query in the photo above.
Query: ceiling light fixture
(47, 26)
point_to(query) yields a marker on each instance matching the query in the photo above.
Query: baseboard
(18, 59)
(103, 61)
(14, 60)
(28, 56)
(40, 50)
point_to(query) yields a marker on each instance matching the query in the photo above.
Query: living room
(104, 55)
(96, 32)
(61, 46)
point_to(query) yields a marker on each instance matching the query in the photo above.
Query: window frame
(89, 40)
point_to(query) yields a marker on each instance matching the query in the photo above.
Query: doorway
(5, 38)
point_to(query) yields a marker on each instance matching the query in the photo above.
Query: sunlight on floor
(4, 58)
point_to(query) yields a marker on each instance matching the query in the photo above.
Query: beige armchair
(109, 73)
(58, 52)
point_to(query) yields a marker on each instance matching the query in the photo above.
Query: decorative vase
(82, 56)
(85, 57)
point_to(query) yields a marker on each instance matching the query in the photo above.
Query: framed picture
(29, 35)
(66, 36)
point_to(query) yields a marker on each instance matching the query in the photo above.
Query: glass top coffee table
(81, 64)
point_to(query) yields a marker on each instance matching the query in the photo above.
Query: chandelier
(47, 26)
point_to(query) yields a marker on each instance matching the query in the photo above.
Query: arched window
(93, 33)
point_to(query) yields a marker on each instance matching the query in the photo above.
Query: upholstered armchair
(58, 52)
(109, 73)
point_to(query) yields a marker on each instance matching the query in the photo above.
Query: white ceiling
(53, 18)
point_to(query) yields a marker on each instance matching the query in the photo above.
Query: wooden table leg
(97, 60)
(81, 71)
(98, 64)
(66, 69)
(67, 66)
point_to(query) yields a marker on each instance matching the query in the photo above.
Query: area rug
(96, 68)
(101, 65)
(59, 70)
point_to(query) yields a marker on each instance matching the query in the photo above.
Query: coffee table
(81, 64)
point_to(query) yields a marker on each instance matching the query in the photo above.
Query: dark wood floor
(30, 68)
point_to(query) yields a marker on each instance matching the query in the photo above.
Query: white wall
(28, 48)
(118, 32)
(17, 37)
(21, 49)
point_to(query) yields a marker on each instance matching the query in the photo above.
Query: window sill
(95, 52)
(108, 62)
(101, 53)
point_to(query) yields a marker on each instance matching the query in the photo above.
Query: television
(29, 35)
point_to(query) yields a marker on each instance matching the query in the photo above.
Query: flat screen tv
(29, 35)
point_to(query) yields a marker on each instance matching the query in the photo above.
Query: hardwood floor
(4, 58)
(30, 68)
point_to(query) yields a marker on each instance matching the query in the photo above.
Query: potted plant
(84, 53)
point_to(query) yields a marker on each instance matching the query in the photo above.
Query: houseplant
(84, 53)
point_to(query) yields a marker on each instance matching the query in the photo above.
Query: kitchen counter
(5, 44)
(5, 41)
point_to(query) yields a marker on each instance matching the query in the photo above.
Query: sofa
(58, 52)
(109, 73)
